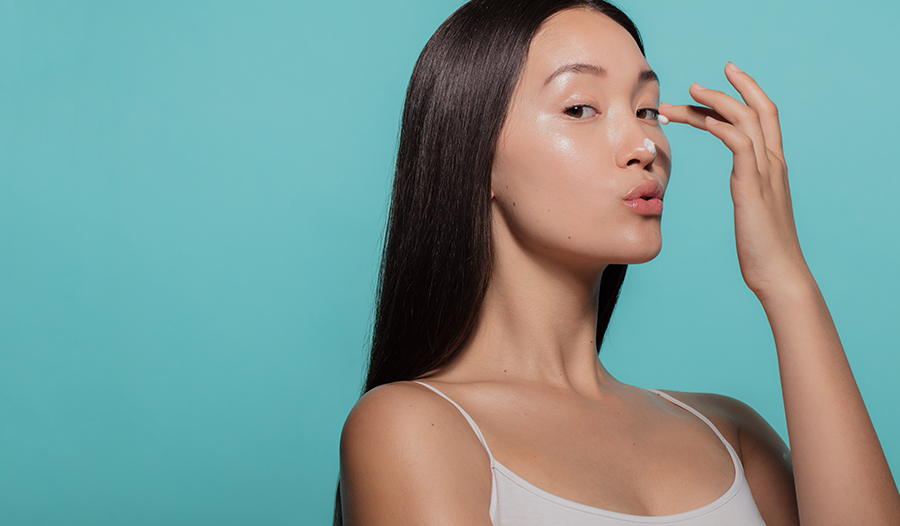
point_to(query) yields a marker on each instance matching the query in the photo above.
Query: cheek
(553, 185)
(544, 164)
(526, 152)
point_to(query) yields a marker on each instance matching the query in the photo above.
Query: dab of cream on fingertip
(663, 119)
(650, 146)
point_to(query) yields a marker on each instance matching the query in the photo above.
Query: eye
(580, 111)
(648, 113)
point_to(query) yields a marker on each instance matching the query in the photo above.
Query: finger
(757, 99)
(740, 144)
(691, 115)
(741, 116)
(736, 112)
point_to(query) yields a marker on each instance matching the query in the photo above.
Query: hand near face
(767, 245)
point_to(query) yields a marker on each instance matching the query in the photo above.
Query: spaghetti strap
(734, 457)
(516, 501)
(466, 415)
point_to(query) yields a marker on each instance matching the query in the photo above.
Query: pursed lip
(648, 189)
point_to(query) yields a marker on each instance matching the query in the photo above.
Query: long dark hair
(437, 252)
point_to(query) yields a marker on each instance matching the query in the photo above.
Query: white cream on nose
(650, 146)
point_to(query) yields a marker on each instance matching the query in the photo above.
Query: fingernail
(663, 119)
(664, 104)
(697, 86)
(732, 67)
(710, 120)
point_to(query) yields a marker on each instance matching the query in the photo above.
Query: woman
(531, 170)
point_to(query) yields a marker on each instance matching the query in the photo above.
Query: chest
(640, 460)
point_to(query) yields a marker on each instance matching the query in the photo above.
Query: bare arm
(839, 465)
(841, 474)
(409, 457)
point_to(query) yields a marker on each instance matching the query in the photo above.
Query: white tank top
(516, 502)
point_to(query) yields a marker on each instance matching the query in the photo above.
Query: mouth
(646, 198)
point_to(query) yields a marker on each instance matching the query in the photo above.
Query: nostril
(633, 161)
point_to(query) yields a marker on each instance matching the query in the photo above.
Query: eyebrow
(648, 75)
(588, 69)
(645, 76)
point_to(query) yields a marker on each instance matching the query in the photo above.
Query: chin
(596, 262)
(644, 258)
(640, 253)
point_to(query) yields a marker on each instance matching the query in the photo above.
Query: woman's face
(575, 175)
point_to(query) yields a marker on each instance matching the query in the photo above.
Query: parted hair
(437, 256)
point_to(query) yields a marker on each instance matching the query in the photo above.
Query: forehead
(582, 36)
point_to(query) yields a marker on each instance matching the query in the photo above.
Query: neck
(537, 323)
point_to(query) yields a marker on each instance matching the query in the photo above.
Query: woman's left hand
(840, 472)
(767, 245)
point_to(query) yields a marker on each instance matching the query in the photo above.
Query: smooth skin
(571, 150)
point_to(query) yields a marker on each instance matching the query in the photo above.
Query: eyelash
(653, 111)
(578, 108)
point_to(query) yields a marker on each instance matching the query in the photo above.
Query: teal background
(192, 196)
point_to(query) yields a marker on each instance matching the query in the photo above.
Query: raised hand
(840, 472)
(767, 245)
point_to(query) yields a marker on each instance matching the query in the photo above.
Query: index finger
(757, 99)
(689, 114)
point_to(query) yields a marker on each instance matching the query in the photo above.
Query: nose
(637, 150)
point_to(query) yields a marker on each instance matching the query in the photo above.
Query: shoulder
(739, 421)
(407, 454)
(731, 416)
(408, 414)
(397, 404)
(764, 455)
